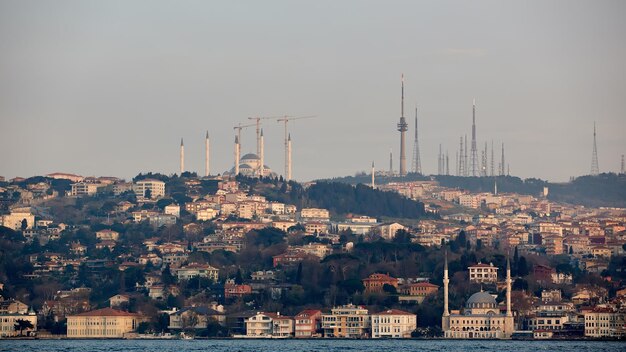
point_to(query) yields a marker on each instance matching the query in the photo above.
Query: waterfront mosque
(481, 317)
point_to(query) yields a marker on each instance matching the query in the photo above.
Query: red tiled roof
(423, 284)
(107, 312)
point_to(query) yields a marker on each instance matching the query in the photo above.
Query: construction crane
(258, 130)
(240, 127)
(286, 119)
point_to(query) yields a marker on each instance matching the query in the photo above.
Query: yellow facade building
(102, 323)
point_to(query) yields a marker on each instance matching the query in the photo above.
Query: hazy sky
(110, 87)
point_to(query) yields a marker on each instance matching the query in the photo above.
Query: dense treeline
(606, 189)
(339, 198)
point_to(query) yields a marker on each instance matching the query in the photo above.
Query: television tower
(466, 168)
(373, 175)
(461, 163)
(402, 128)
(493, 169)
(417, 163)
(622, 171)
(595, 170)
(474, 153)
(182, 157)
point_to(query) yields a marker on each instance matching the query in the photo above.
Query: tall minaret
(446, 281)
(508, 287)
(373, 173)
(289, 158)
(207, 157)
(261, 154)
(182, 157)
(595, 169)
(502, 162)
(402, 127)
(474, 153)
(236, 156)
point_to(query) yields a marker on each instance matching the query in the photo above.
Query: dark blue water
(305, 345)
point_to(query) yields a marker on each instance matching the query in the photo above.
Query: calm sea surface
(304, 345)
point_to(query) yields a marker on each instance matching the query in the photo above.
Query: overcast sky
(110, 87)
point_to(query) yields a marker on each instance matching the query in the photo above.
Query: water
(305, 345)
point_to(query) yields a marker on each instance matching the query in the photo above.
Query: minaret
(508, 287)
(446, 281)
(182, 157)
(502, 162)
(595, 170)
(447, 164)
(207, 169)
(289, 158)
(417, 163)
(261, 154)
(373, 173)
(495, 188)
(236, 156)
(474, 156)
(402, 127)
(390, 162)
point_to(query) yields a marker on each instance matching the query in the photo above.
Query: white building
(393, 323)
(604, 322)
(197, 270)
(314, 213)
(269, 325)
(156, 187)
(17, 216)
(172, 209)
(483, 273)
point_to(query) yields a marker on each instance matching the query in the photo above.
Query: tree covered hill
(607, 190)
(339, 198)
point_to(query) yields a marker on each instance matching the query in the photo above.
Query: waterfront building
(605, 323)
(393, 323)
(103, 323)
(308, 323)
(347, 321)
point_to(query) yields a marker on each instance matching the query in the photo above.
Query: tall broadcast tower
(417, 163)
(474, 153)
(402, 128)
(595, 170)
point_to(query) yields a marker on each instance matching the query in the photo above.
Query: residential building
(417, 291)
(347, 321)
(604, 323)
(103, 323)
(393, 323)
(16, 218)
(172, 209)
(156, 188)
(388, 231)
(231, 289)
(308, 323)
(375, 282)
(10, 319)
(107, 235)
(84, 189)
(314, 213)
(483, 273)
(269, 325)
(196, 317)
(197, 270)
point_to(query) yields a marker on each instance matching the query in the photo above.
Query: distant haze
(110, 87)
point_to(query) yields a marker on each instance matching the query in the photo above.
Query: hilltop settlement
(223, 256)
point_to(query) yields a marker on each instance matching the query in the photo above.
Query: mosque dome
(481, 299)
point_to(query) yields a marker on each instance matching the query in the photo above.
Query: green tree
(22, 324)
(148, 193)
